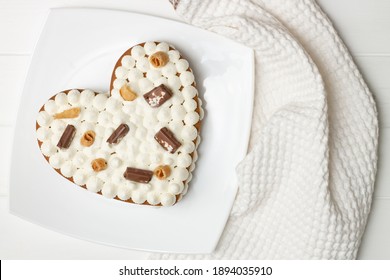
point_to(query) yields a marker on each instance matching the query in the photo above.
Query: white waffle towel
(305, 187)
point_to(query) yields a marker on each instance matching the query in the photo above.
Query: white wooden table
(364, 25)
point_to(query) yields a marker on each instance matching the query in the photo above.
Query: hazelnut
(88, 138)
(159, 59)
(127, 94)
(162, 172)
(99, 164)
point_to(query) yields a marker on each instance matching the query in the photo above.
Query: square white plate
(78, 48)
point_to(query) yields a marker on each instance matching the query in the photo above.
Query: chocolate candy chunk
(67, 137)
(118, 134)
(157, 96)
(138, 175)
(167, 140)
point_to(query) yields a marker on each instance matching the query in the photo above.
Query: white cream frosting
(184, 160)
(48, 149)
(50, 107)
(80, 177)
(134, 74)
(143, 64)
(138, 52)
(180, 174)
(169, 69)
(55, 161)
(167, 199)
(190, 105)
(182, 65)
(115, 161)
(153, 197)
(153, 75)
(128, 61)
(176, 187)
(174, 56)
(178, 112)
(61, 99)
(187, 78)
(91, 115)
(124, 192)
(145, 84)
(94, 184)
(162, 47)
(118, 83)
(43, 133)
(189, 92)
(99, 102)
(68, 169)
(103, 114)
(177, 98)
(73, 97)
(120, 72)
(86, 97)
(150, 48)
(191, 118)
(174, 82)
(189, 133)
(109, 190)
(188, 147)
(138, 196)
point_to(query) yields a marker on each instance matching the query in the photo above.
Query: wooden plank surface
(363, 24)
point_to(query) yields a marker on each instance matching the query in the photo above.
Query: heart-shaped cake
(139, 142)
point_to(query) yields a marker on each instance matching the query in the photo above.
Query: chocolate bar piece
(157, 96)
(67, 137)
(167, 140)
(138, 175)
(118, 134)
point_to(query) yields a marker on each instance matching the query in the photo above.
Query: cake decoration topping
(68, 114)
(159, 59)
(167, 140)
(67, 137)
(127, 94)
(99, 164)
(157, 96)
(118, 134)
(138, 175)
(88, 138)
(162, 172)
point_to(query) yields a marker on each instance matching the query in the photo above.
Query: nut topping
(127, 94)
(162, 172)
(99, 164)
(68, 114)
(159, 59)
(88, 138)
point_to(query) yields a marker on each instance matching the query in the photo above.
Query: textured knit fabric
(305, 187)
